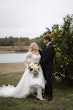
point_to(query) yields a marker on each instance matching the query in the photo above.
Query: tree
(67, 47)
(62, 37)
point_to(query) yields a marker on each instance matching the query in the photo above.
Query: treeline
(14, 41)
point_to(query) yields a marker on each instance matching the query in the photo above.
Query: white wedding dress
(23, 88)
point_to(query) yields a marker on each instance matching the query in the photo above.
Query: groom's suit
(47, 55)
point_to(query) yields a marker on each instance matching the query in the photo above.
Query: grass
(63, 97)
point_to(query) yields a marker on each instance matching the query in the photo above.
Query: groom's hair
(47, 37)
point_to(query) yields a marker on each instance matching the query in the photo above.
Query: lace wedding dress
(23, 88)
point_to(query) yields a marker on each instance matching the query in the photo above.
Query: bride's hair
(33, 46)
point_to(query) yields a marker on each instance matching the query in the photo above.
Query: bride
(31, 81)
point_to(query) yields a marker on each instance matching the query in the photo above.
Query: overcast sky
(29, 18)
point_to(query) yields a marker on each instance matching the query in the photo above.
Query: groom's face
(45, 41)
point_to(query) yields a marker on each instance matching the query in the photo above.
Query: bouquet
(34, 69)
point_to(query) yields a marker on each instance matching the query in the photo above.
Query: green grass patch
(62, 97)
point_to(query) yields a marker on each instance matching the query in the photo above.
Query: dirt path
(7, 68)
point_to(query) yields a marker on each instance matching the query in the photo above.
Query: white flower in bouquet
(34, 68)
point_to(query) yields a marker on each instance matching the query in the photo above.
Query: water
(12, 57)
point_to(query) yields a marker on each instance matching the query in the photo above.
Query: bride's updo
(33, 47)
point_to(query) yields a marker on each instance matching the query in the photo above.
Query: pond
(12, 57)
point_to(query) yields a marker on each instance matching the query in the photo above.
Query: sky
(29, 18)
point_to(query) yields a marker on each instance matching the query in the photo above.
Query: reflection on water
(11, 57)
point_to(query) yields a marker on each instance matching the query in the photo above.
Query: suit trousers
(48, 86)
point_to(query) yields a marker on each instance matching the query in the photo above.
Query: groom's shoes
(48, 98)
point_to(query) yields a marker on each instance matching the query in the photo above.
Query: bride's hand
(37, 63)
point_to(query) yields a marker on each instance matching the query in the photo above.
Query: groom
(47, 56)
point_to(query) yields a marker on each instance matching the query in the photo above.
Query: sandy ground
(7, 68)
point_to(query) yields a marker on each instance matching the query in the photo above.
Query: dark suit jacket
(46, 61)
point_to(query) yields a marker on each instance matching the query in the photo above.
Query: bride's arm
(27, 59)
